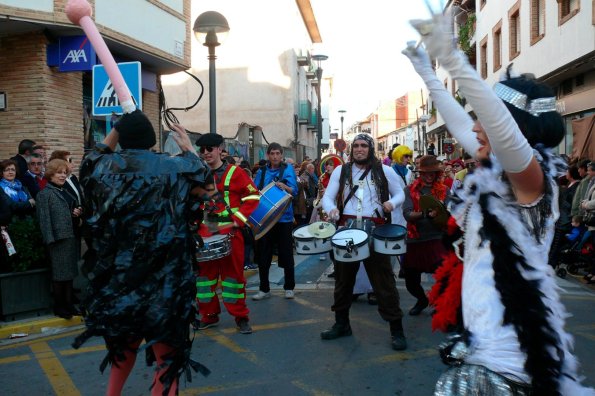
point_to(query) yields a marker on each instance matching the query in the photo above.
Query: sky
(363, 40)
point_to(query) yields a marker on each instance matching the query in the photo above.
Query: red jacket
(241, 194)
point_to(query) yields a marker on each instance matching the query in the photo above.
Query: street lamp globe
(319, 58)
(210, 29)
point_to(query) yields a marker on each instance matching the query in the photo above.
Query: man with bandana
(380, 194)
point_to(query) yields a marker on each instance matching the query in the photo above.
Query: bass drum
(272, 205)
(389, 239)
(215, 247)
(306, 243)
(351, 245)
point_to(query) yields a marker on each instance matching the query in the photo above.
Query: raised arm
(507, 142)
(458, 122)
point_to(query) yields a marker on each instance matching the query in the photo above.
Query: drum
(215, 247)
(273, 202)
(306, 243)
(389, 239)
(350, 245)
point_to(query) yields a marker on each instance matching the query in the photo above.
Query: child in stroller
(577, 251)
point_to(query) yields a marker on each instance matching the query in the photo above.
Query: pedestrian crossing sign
(105, 100)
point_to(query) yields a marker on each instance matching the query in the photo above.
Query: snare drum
(350, 245)
(306, 243)
(389, 239)
(215, 247)
(272, 205)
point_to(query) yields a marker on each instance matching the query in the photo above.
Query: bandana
(368, 139)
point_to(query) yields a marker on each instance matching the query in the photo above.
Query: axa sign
(76, 54)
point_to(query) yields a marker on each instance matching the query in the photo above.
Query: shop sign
(105, 100)
(72, 53)
(448, 148)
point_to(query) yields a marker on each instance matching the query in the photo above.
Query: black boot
(397, 335)
(419, 306)
(341, 328)
(60, 300)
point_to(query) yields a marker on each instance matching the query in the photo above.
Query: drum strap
(355, 187)
(263, 171)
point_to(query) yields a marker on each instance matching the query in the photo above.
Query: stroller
(575, 257)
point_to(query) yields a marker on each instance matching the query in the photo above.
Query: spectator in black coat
(25, 150)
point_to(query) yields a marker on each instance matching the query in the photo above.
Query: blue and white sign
(76, 54)
(105, 100)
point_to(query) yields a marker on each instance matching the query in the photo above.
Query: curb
(47, 325)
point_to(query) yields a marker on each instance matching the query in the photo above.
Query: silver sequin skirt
(469, 379)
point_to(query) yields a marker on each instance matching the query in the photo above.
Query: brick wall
(151, 109)
(42, 104)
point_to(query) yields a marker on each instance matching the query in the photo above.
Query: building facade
(552, 39)
(46, 67)
(265, 79)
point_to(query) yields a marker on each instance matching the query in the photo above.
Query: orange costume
(238, 198)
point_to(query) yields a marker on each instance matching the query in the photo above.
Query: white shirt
(370, 202)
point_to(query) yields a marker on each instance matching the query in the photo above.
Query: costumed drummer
(236, 198)
(366, 189)
(514, 341)
(139, 264)
(280, 235)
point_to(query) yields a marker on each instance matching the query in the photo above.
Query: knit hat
(135, 131)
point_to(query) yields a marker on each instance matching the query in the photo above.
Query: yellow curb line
(35, 326)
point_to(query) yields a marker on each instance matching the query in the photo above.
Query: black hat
(209, 140)
(135, 131)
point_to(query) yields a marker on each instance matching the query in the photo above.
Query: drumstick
(79, 12)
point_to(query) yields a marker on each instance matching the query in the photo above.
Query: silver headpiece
(519, 100)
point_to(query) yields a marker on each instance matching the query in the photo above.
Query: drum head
(343, 237)
(214, 238)
(322, 229)
(390, 232)
(302, 232)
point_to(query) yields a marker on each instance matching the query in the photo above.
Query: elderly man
(364, 188)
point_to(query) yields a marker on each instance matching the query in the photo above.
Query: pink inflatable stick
(79, 12)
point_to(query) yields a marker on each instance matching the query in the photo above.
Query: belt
(375, 220)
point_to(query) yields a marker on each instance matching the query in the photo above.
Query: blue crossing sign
(105, 100)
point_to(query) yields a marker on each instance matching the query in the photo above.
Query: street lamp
(319, 58)
(423, 119)
(210, 29)
(342, 112)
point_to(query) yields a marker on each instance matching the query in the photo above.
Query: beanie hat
(135, 131)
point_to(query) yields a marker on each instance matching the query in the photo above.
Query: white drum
(389, 239)
(351, 245)
(215, 247)
(306, 243)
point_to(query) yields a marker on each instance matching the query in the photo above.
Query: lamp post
(423, 119)
(319, 58)
(342, 112)
(210, 29)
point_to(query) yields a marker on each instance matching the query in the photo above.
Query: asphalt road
(284, 355)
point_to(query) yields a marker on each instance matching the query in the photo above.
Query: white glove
(508, 143)
(458, 122)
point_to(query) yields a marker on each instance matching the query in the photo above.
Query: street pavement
(284, 355)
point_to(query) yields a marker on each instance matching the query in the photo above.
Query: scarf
(438, 191)
(14, 190)
(402, 171)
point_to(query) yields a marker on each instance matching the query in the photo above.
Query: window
(483, 57)
(537, 20)
(567, 9)
(497, 43)
(514, 31)
(579, 80)
(566, 87)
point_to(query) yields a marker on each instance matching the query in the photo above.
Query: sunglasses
(357, 145)
(206, 148)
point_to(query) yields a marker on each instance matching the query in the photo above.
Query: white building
(264, 79)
